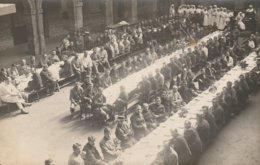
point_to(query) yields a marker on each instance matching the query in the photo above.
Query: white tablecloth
(134, 79)
(145, 151)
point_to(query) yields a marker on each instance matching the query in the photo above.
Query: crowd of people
(161, 95)
(173, 86)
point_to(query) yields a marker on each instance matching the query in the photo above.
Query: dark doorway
(19, 34)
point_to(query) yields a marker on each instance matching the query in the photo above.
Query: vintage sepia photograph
(129, 82)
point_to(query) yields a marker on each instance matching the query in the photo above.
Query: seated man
(75, 64)
(103, 58)
(203, 129)
(208, 115)
(168, 156)
(54, 57)
(49, 82)
(36, 83)
(138, 123)
(192, 137)
(106, 79)
(167, 102)
(124, 133)
(92, 155)
(203, 80)
(66, 69)
(76, 158)
(114, 74)
(159, 80)
(109, 147)
(158, 110)
(181, 146)
(99, 107)
(122, 101)
(10, 94)
(176, 98)
(76, 94)
(149, 117)
(25, 69)
(87, 64)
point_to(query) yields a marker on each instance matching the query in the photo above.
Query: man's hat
(76, 145)
(107, 130)
(91, 139)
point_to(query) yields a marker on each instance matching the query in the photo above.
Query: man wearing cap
(76, 157)
(149, 117)
(138, 123)
(124, 133)
(193, 139)
(177, 100)
(92, 156)
(208, 115)
(122, 101)
(109, 147)
(48, 80)
(99, 106)
(203, 129)
(158, 110)
(76, 67)
(180, 145)
(76, 94)
(87, 64)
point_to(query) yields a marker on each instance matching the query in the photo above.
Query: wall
(6, 39)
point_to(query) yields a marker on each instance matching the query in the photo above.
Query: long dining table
(145, 151)
(130, 83)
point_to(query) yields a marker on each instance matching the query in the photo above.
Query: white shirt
(86, 62)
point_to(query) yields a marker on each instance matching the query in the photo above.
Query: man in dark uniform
(145, 89)
(76, 94)
(122, 101)
(181, 147)
(124, 133)
(149, 117)
(47, 79)
(138, 123)
(231, 99)
(218, 113)
(99, 107)
(109, 146)
(203, 129)
(193, 140)
(207, 114)
(158, 110)
(92, 156)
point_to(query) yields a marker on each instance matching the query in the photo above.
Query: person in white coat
(172, 11)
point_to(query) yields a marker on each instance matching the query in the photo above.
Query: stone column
(133, 11)
(42, 45)
(36, 39)
(109, 17)
(77, 15)
(33, 38)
